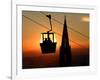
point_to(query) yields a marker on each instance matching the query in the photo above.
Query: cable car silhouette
(48, 44)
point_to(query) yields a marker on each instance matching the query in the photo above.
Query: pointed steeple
(65, 39)
(65, 50)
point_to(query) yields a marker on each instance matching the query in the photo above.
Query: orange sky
(32, 31)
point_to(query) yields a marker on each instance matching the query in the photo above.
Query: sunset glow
(85, 19)
(35, 23)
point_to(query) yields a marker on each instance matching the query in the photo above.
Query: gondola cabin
(48, 43)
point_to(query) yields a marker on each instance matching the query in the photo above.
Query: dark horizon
(80, 57)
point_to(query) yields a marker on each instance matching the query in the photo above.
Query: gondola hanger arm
(49, 16)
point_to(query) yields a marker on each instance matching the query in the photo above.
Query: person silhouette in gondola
(49, 40)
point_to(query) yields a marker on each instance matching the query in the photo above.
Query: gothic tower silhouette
(65, 49)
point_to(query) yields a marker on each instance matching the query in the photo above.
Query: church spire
(65, 39)
(65, 50)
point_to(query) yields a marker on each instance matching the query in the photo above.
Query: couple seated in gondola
(47, 41)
